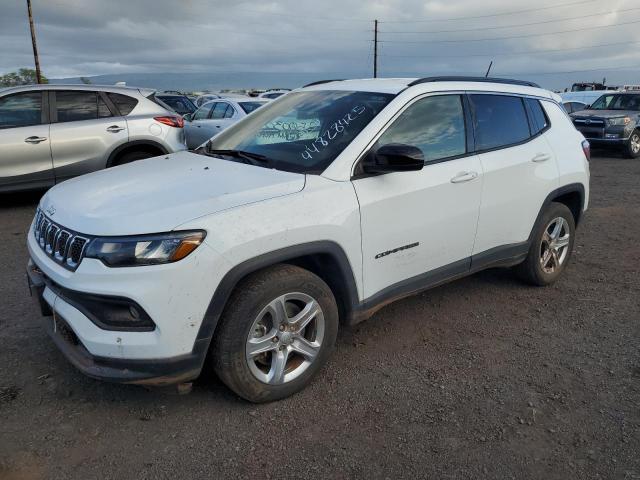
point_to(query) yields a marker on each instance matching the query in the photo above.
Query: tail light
(171, 120)
(586, 148)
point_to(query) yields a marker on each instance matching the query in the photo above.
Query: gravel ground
(481, 378)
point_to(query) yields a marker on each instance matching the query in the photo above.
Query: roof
(397, 85)
(76, 86)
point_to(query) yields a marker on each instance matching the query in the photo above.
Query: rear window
(499, 120)
(249, 107)
(74, 106)
(123, 103)
(179, 104)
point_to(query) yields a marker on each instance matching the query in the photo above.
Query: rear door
(25, 152)
(518, 164)
(84, 131)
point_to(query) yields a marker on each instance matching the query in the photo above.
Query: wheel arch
(136, 146)
(326, 259)
(571, 195)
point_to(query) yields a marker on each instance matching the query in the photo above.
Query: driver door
(418, 227)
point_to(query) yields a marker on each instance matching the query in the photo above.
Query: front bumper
(158, 372)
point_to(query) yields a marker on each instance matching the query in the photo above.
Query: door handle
(541, 157)
(464, 177)
(35, 140)
(114, 129)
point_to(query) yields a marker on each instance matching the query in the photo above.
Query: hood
(605, 113)
(158, 194)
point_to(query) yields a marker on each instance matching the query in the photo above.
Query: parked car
(586, 97)
(571, 107)
(49, 133)
(213, 117)
(311, 213)
(613, 121)
(202, 99)
(175, 102)
(272, 94)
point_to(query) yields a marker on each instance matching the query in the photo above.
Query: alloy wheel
(555, 245)
(635, 143)
(285, 338)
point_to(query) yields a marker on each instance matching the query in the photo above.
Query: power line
(513, 12)
(622, 67)
(508, 54)
(510, 37)
(475, 29)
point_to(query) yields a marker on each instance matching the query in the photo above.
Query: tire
(132, 157)
(550, 251)
(251, 321)
(632, 148)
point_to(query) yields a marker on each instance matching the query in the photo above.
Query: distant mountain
(190, 82)
(204, 81)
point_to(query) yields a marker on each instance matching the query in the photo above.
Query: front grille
(594, 122)
(62, 245)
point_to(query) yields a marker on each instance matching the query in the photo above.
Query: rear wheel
(632, 149)
(132, 157)
(550, 248)
(277, 331)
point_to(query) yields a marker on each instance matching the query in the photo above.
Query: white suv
(315, 211)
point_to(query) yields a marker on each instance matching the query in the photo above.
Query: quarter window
(499, 121)
(73, 106)
(124, 103)
(219, 110)
(536, 114)
(21, 110)
(433, 124)
(229, 113)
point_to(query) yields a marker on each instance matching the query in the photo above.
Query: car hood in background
(158, 194)
(604, 114)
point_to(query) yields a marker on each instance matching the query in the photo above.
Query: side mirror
(586, 107)
(187, 117)
(394, 157)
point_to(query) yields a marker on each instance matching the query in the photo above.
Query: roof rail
(320, 82)
(462, 78)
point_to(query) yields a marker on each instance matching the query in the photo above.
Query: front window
(434, 124)
(617, 102)
(304, 131)
(21, 110)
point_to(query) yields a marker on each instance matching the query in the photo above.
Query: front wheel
(632, 149)
(276, 333)
(551, 246)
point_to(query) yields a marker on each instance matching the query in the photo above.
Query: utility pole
(375, 49)
(33, 42)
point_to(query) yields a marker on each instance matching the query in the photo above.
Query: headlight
(144, 249)
(620, 121)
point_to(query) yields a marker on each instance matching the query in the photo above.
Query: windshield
(249, 107)
(617, 102)
(179, 104)
(304, 131)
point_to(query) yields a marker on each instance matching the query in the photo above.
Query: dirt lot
(481, 378)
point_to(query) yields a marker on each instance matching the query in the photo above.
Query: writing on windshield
(336, 128)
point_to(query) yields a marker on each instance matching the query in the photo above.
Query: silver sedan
(213, 117)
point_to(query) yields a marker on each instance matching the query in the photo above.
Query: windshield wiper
(248, 157)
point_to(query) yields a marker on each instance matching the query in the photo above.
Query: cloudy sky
(420, 37)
